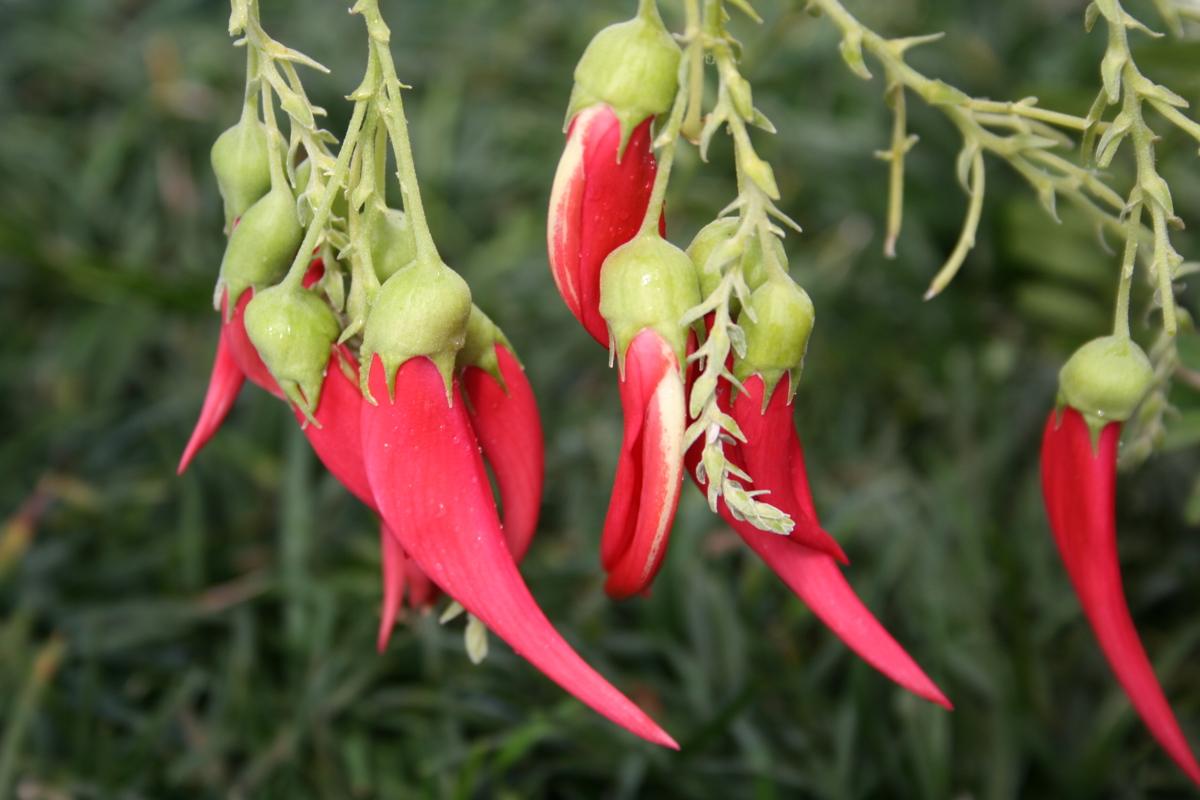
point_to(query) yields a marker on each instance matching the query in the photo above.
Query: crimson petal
(596, 205)
(427, 473)
(223, 387)
(650, 469)
(768, 453)
(336, 437)
(1079, 486)
(505, 420)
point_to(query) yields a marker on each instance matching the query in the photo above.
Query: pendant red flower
(1079, 486)
(427, 474)
(597, 204)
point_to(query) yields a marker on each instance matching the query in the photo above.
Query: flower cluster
(415, 400)
(660, 310)
(406, 391)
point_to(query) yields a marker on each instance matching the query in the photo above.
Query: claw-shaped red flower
(505, 420)
(773, 457)
(236, 359)
(597, 204)
(650, 469)
(1079, 486)
(223, 387)
(427, 474)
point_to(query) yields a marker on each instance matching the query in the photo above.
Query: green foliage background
(212, 635)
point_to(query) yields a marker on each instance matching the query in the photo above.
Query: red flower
(427, 474)
(1079, 486)
(223, 387)
(597, 204)
(505, 420)
(236, 359)
(650, 470)
(774, 459)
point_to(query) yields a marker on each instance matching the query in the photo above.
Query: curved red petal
(510, 432)
(393, 584)
(650, 470)
(233, 328)
(659, 457)
(336, 437)
(768, 453)
(597, 205)
(427, 473)
(1079, 486)
(314, 273)
(816, 578)
(223, 387)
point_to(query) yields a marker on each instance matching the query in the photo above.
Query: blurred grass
(212, 635)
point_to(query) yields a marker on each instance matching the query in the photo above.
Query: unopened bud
(392, 243)
(262, 247)
(1106, 379)
(293, 329)
(777, 335)
(422, 310)
(632, 66)
(712, 241)
(241, 160)
(648, 283)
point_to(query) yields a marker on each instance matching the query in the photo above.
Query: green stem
(666, 159)
(1133, 225)
(332, 186)
(397, 126)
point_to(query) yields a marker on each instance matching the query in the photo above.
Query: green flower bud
(340, 207)
(1105, 380)
(241, 160)
(262, 247)
(777, 336)
(632, 66)
(422, 310)
(479, 350)
(392, 243)
(712, 239)
(293, 329)
(648, 283)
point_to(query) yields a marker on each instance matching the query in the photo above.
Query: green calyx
(648, 283)
(632, 66)
(262, 246)
(421, 310)
(241, 160)
(392, 243)
(1105, 380)
(292, 329)
(479, 350)
(776, 333)
(717, 238)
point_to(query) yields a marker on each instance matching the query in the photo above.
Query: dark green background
(219, 627)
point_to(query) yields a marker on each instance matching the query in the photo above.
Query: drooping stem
(666, 160)
(1133, 224)
(397, 126)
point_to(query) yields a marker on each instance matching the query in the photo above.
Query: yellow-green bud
(777, 336)
(632, 66)
(648, 283)
(1106, 379)
(262, 246)
(712, 240)
(293, 329)
(422, 310)
(479, 350)
(392, 243)
(241, 161)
